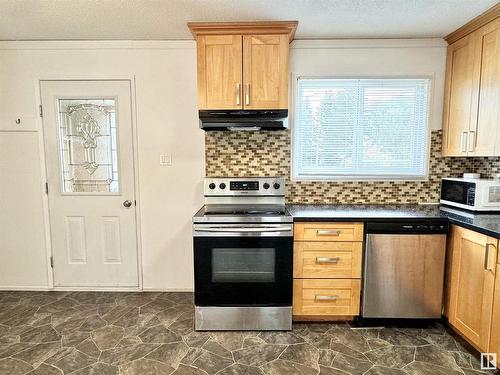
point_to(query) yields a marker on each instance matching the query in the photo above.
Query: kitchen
(321, 202)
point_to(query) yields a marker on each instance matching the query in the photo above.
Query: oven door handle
(221, 230)
(243, 229)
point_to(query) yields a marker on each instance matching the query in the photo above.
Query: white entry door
(87, 128)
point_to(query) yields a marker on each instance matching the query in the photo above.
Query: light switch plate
(166, 160)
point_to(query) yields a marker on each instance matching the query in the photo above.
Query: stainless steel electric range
(243, 256)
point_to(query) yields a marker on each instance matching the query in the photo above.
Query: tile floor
(152, 333)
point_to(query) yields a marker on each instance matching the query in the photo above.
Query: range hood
(244, 120)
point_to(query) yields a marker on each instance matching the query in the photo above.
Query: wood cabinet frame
(472, 88)
(327, 270)
(472, 261)
(243, 65)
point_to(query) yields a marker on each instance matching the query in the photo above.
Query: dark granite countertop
(488, 224)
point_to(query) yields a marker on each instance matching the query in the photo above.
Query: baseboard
(167, 290)
(96, 289)
(322, 318)
(7, 288)
(91, 289)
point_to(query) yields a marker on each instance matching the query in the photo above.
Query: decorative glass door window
(88, 144)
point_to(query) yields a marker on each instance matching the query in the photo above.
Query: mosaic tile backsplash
(264, 153)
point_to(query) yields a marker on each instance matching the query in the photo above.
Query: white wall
(375, 58)
(165, 76)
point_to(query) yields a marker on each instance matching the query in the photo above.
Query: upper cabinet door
(219, 71)
(484, 135)
(461, 95)
(265, 71)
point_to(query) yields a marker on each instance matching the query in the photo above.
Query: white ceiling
(166, 19)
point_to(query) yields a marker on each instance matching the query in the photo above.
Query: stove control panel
(244, 185)
(241, 186)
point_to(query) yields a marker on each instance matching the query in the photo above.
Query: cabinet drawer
(328, 232)
(326, 297)
(323, 260)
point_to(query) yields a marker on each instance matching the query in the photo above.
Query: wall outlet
(166, 160)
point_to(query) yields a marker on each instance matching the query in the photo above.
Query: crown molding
(191, 44)
(367, 43)
(244, 28)
(96, 44)
(474, 24)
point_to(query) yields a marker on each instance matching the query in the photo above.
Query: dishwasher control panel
(427, 227)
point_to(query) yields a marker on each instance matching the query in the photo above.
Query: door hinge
(40, 110)
(47, 188)
(51, 262)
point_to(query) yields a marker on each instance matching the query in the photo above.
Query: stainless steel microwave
(471, 194)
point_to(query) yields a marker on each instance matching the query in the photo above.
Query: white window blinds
(361, 129)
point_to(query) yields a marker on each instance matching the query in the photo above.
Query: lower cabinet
(471, 283)
(327, 270)
(327, 260)
(495, 320)
(326, 297)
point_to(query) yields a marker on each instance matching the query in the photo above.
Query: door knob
(127, 203)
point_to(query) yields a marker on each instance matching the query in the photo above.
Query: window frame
(359, 178)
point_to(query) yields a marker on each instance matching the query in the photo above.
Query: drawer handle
(325, 232)
(327, 260)
(326, 298)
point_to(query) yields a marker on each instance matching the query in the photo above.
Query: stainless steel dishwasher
(404, 269)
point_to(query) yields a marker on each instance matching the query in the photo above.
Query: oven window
(248, 265)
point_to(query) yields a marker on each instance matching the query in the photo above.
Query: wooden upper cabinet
(265, 71)
(219, 71)
(471, 114)
(460, 105)
(485, 139)
(243, 65)
(471, 285)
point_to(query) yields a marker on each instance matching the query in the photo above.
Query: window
(355, 129)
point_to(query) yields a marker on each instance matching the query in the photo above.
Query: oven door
(243, 265)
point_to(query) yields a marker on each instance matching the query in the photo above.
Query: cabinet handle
(238, 94)
(487, 256)
(327, 260)
(471, 139)
(247, 94)
(327, 232)
(463, 141)
(326, 298)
